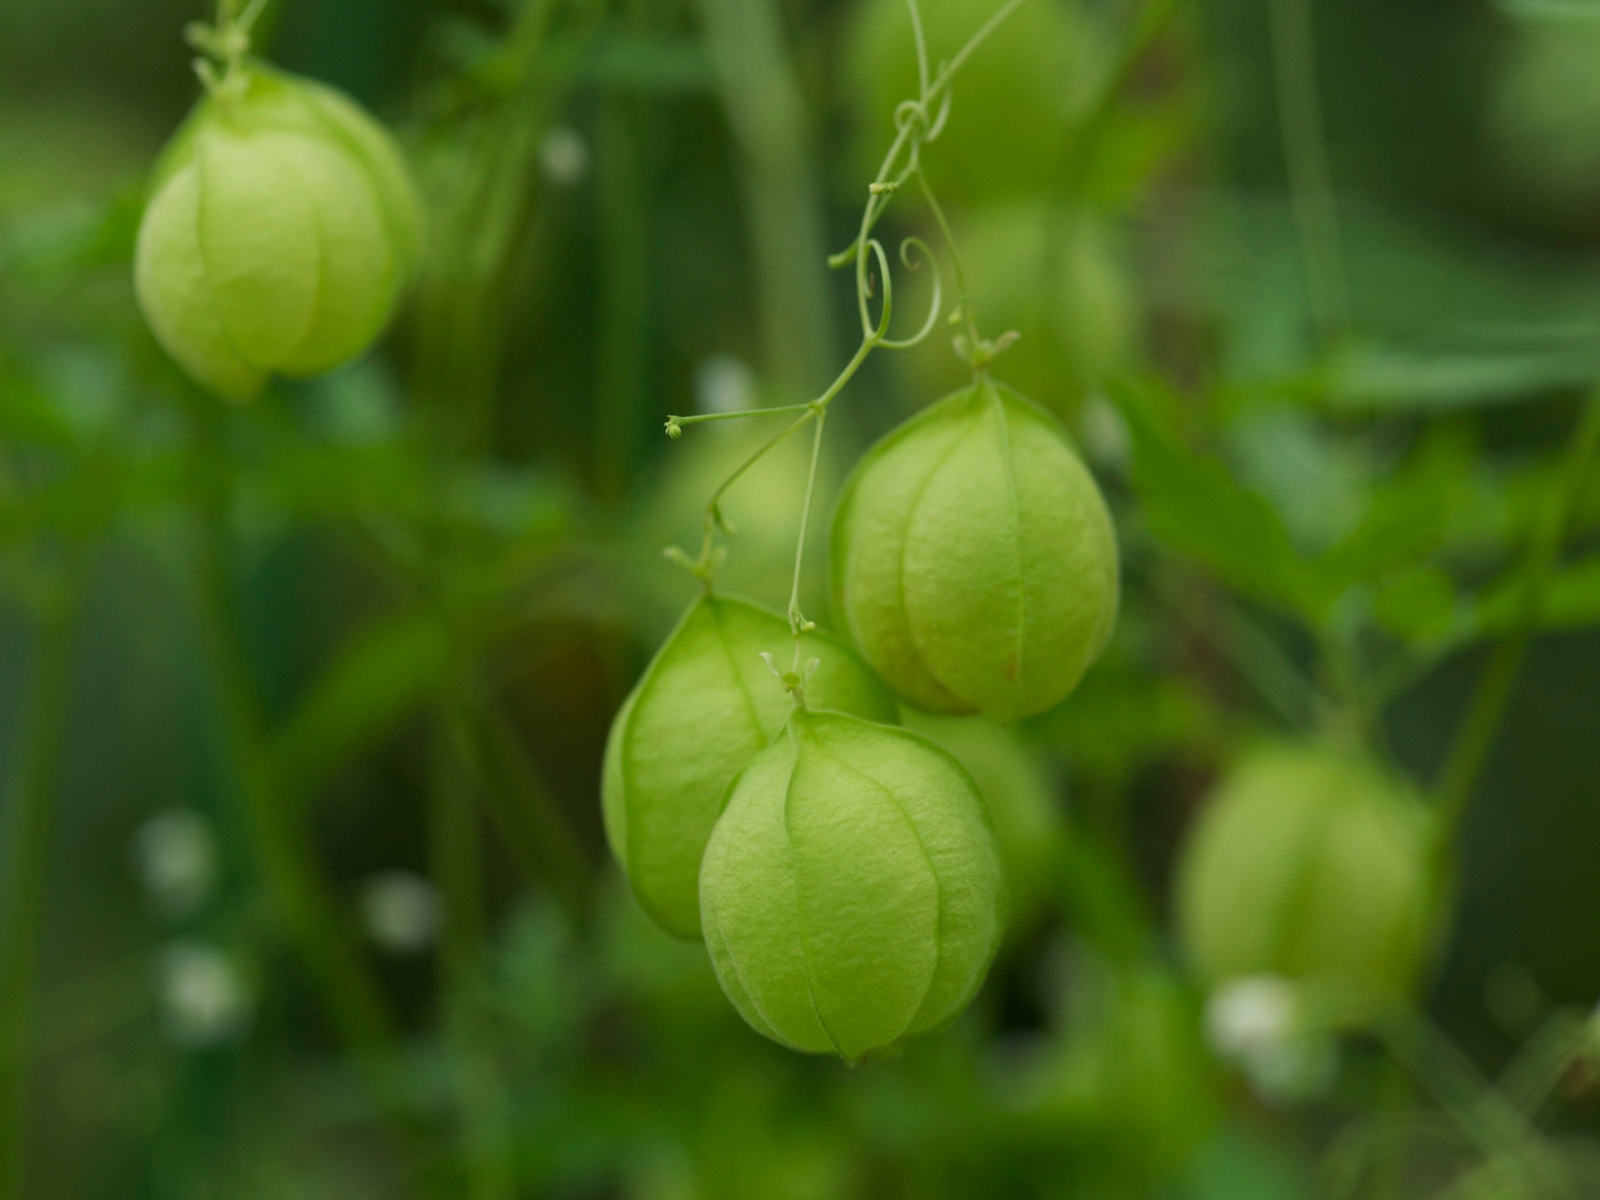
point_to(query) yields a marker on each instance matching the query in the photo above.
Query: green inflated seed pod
(851, 892)
(1309, 863)
(281, 229)
(973, 559)
(704, 707)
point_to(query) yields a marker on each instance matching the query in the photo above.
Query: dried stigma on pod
(974, 561)
(705, 706)
(851, 892)
(281, 229)
(1308, 862)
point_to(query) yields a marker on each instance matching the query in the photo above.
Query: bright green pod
(851, 892)
(281, 230)
(705, 706)
(1308, 863)
(974, 561)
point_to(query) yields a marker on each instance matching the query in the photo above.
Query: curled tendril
(875, 334)
(913, 261)
(937, 127)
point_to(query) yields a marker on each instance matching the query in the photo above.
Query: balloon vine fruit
(705, 706)
(851, 892)
(974, 560)
(281, 229)
(1308, 863)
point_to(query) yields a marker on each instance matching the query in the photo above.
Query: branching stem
(1497, 683)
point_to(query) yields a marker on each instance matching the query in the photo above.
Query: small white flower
(564, 156)
(1257, 1023)
(175, 856)
(724, 384)
(204, 1000)
(1247, 1015)
(1104, 433)
(402, 911)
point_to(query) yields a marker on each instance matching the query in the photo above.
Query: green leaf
(378, 680)
(1570, 600)
(1195, 505)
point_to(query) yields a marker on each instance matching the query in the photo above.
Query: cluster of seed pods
(842, 870)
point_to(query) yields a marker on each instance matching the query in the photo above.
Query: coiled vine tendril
(918, 122)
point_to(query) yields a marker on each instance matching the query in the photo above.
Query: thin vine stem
(301, 898)
(675, 424)
(913, 128)
(797, 623)
(29, 839)
(1306, 156)
(1496, 685)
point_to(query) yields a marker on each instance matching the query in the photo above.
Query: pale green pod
(281, 231)
(851, 893)
(1309, 863)
(705, 706)
(973, 559)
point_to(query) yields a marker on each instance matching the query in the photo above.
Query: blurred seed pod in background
(1544, 121)
(1056, 277)
(973, 559)
(1310, 863)
(851, 892)
(1127, 1085)
(707, 703)
(281, 229)
(1022, 796)
(763, 509)
(1013, 101)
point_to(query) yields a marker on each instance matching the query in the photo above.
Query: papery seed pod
(281, 229)
(705, 706)
(851, 893)
(1308, 863)
(974, 561)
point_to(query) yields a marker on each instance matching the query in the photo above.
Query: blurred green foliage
(369, 633)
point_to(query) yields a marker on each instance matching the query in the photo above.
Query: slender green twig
(797, 622)
(1305, 152)
(300, 898)
(1458, 780)
(29, 838)
(455, 853)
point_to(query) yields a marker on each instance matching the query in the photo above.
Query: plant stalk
(29, 837)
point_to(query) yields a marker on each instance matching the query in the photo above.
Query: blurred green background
(1353, 250)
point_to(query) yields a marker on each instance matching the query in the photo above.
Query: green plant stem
(1305, 152)
(535, 829)
(1497, 683)
(29, 840)
(766, 112)
(624, 290)
(1478, 1108)
(797, 623)
(301, 900)
(455, 852)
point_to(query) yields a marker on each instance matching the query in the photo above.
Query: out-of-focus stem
(28, 836)
(457, 866)
(1496, 685)
(766, 112)
(624, 291)
(1294, 62)
(283, 851)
